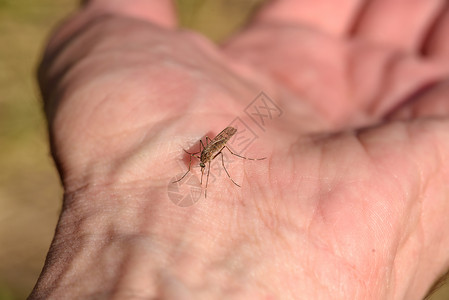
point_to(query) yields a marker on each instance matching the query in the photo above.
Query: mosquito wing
(224, 136)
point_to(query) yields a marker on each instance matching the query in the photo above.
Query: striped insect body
(210, 151)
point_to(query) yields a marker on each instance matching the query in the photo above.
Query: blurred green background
(30, 192)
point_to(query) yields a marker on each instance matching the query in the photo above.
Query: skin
(351, 202)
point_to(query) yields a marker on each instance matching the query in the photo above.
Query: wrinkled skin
(351, 202)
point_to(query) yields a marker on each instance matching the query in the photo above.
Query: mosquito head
(202, 165)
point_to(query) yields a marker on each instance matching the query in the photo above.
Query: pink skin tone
(351, 202)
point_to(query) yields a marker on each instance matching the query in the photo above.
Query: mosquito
(209, 152)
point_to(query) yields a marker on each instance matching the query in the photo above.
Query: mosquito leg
(222, 163)
(201, 144)
(190, 163)
(202, 173)
(207, 181)
(191, 153)
(243, 156)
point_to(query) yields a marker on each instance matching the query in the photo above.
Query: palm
(329, 192)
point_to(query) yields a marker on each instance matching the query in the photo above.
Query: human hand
(350, 204)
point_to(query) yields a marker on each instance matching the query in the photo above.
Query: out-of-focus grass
(217, 18)
(30, 194)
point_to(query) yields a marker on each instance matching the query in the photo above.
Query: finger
(158, 12)
(431, 101)
(346, 84)
(399, 23)
(393, 81)
(333, 17)
(438, 43)
(94, 12)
